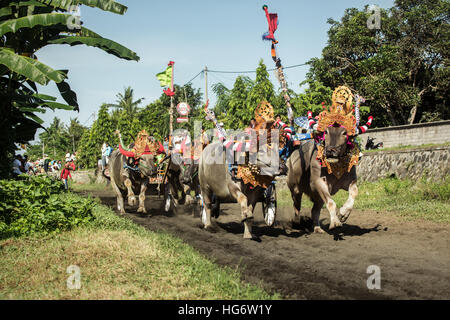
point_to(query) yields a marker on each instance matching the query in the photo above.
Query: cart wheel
(269, 205)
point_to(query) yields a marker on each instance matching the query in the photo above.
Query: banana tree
(26, 27)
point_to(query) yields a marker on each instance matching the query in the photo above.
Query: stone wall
(89, 176)
(410, 163)
(83, 176)
(415, 135)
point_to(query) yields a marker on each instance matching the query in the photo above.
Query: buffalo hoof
(243, 219)
(335, 224)
(248, 236)
(182, 201)
(141, 210)
(318, 230)
(210, 228)
(132, 201)
(188, 200)
(343, 217)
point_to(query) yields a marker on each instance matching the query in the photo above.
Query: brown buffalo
(306, 175)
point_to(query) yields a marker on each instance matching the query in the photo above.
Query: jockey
(288, 132)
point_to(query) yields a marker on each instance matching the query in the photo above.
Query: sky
(222, 35)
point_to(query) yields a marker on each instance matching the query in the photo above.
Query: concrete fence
(414, 134)
(433, 163)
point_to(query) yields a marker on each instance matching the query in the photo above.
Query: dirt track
(414, 257)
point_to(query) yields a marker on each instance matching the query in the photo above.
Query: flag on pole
(166, 79)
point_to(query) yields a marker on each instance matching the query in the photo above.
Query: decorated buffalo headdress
(340, 113)
(264, 115)
(143, 145)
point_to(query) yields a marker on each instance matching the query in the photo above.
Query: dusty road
(413, 257)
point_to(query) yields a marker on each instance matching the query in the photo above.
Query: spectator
(109, 150)
(17, 166)
(104, 149)
(46, 163)
(27, 165)
(166, 145)
(65, 172)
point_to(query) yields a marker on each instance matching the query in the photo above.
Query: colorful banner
(166, 79)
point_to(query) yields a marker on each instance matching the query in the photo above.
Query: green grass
(118, 260)
(411, 199)
(88, 186)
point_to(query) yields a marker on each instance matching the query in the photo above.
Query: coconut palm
(125, 102)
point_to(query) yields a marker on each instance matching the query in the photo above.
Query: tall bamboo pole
(206, 83)
(171, 109)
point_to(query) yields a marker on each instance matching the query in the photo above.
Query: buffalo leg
(131, 197)
(346, 209)
(206, 214)
(142, 198)
(297, 201)
(246, 212)
(322, 189)
(120, 205)
(315, 214)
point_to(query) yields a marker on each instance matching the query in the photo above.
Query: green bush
(436, 191)
(394, 186)
(38, 205)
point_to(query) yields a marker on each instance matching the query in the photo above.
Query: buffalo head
(147, 165)
(335, 143)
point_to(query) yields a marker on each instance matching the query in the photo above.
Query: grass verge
(117, 260)
(410, 199)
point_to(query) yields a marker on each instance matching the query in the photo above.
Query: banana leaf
(44, 19)
(32, 69)
(106, 5)
(106, 45)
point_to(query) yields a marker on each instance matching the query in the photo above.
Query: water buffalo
(174, 175)
(216, 182)
(306, 175)
(129, 171)
(189, 178)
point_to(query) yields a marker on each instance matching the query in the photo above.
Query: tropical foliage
(33, 205)
(57, 140)
(26, 27)
(402, 68)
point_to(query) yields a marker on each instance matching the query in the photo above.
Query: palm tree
(125, 103)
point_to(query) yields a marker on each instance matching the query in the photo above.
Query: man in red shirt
(65, 172)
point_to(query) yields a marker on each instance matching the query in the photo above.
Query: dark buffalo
(130, 180)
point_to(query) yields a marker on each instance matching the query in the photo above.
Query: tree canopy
(401, 69)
